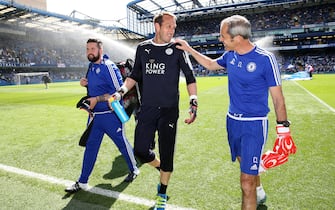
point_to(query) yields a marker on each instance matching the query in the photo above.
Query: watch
(285, 123)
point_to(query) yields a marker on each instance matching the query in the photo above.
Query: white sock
(260, 192)
(83, 186)
(136, 171)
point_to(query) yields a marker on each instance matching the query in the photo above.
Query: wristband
(194, 100)
(193, 97)
(285, 123)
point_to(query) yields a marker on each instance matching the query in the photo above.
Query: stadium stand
(300, 32)
(34, 40)
(303, 33)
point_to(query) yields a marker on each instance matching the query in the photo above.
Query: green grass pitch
(40, 129)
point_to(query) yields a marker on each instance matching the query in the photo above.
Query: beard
(93, 58)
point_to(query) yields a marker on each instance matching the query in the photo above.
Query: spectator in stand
(309, 69)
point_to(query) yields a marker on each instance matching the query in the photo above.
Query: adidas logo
(254, 167)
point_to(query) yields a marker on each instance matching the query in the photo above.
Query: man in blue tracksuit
(103, 79)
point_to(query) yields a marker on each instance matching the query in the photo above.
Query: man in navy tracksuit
(157, 68)
(103, 79)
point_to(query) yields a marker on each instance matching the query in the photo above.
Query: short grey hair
(237, 25)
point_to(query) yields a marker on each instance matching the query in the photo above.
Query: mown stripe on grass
(318, 99)
(95, 190)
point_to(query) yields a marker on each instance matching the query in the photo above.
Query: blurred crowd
(21, 53)
(272, 19)
(65, 55)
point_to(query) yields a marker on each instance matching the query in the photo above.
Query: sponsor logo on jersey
(251, 67)
(154, 68)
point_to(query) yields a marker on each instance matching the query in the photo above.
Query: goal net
(29, 77)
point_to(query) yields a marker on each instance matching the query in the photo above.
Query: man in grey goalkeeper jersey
(157, 69)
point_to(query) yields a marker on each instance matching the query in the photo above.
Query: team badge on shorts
(251, 67)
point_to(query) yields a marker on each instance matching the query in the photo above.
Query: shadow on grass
(87, 200)
(262, 207)
(119, 168)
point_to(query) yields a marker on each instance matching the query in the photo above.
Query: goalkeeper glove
(283, 147)
(284, 143)
(193, 109)
(271, 159)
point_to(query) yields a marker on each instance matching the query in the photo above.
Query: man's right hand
(117, 96)
(182, 44)
(120, 93)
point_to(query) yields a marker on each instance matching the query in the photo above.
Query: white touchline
(95, 190)
(318, 99)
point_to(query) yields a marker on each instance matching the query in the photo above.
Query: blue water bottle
(119, 110)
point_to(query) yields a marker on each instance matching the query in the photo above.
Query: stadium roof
(14, 14)
(151, 7)
(146, 9)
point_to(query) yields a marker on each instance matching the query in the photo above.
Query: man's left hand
(284, 143)
(192, 111)
(93, 102)
(85, 104)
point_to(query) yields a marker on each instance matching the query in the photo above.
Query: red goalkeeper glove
(283, 147)
(271, 159)
(284, 143)
(193, 109)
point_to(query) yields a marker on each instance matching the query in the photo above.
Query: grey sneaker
(261, 201)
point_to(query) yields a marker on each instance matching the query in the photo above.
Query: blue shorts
(246, 138)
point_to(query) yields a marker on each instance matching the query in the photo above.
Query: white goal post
(29, 75)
